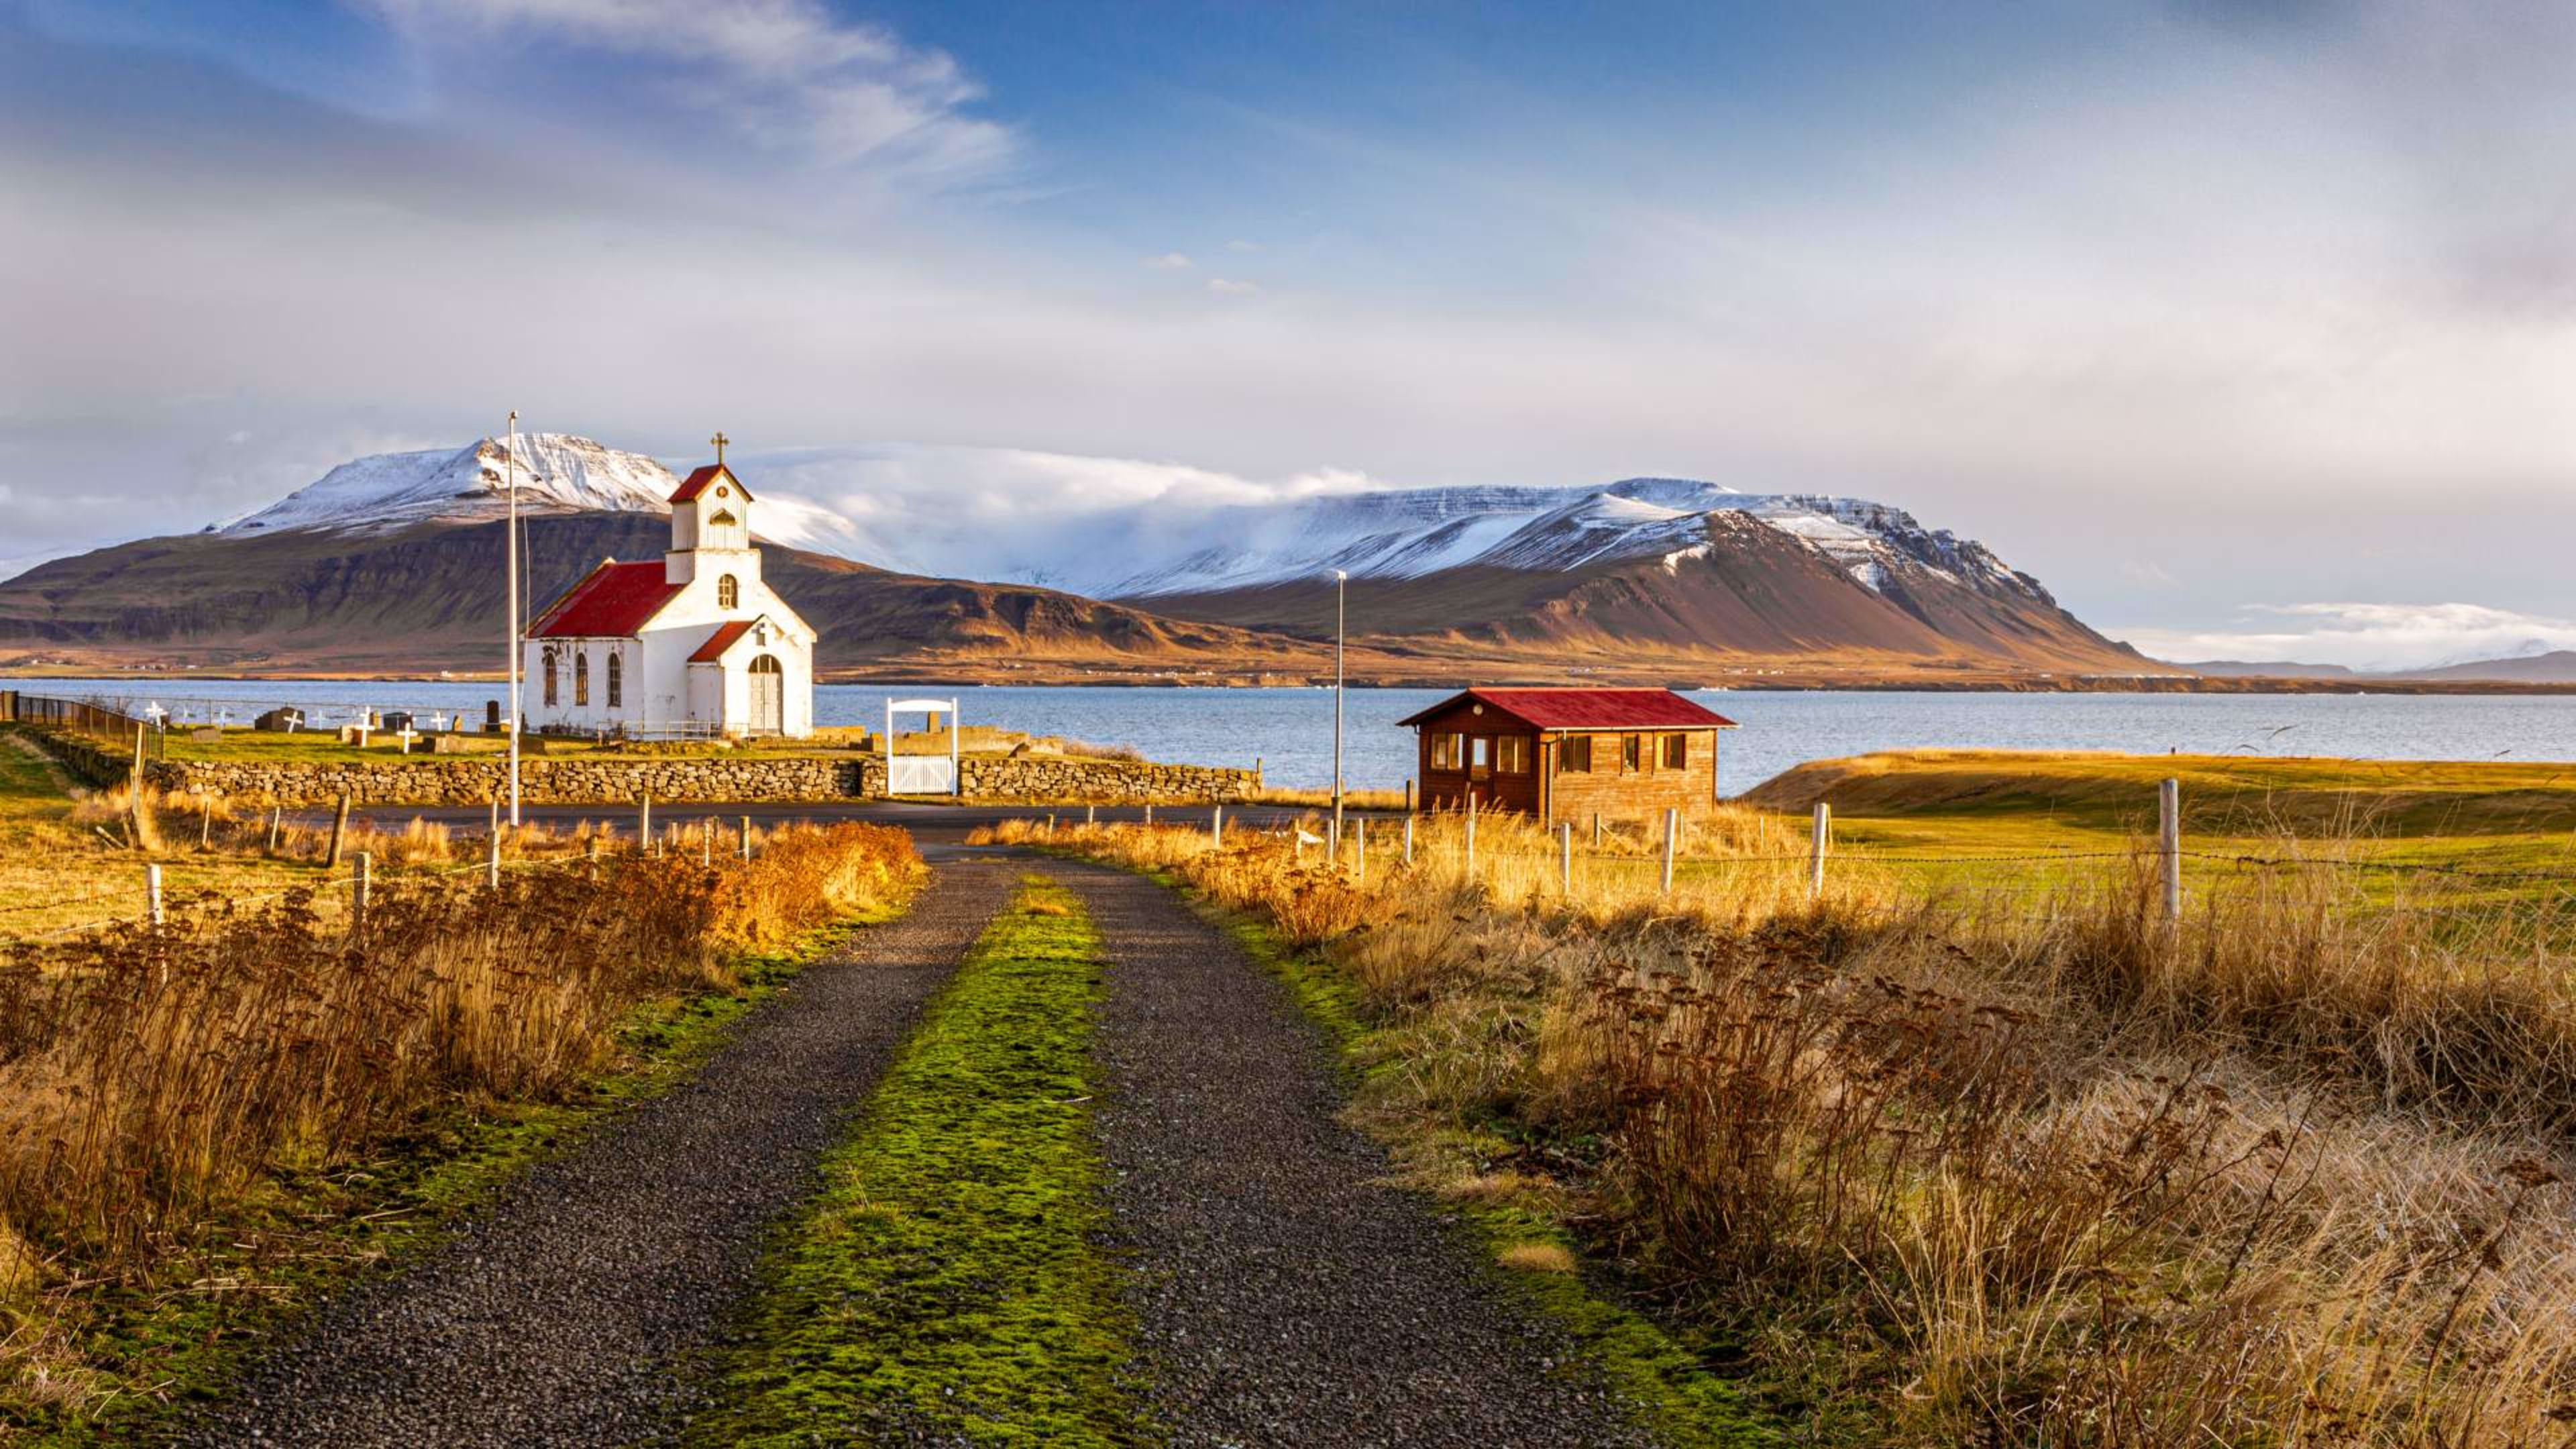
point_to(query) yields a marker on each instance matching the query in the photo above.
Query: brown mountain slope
(1753, 592)
(426, 598)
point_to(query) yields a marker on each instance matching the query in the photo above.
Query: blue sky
(2248, 328)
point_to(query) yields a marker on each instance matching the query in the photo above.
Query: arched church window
(550, 678)
(616, 681)
(581, 678)
(723, 519)
(728, 592)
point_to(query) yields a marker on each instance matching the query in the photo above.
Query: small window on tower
(728, 592)
(723, 519)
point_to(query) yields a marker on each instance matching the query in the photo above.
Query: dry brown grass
(2024, 1166)
(149, 1079)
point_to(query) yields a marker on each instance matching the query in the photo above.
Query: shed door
(768, 696)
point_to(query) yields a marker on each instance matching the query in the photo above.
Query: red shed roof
(1588, 709)
(720, 641)
(696, 483)
(612, 601)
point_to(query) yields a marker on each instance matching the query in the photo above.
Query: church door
(768, 696)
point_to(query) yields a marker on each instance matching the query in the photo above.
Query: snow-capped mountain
(1413, 533)
(556, 473)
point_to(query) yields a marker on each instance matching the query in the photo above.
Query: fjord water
(1291, 730)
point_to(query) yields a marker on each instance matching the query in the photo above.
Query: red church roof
(720, 641)
(614, 600)
(1589, 709)
(696, 483)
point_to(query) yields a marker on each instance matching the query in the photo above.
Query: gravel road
(1286, 1294)
(555, 1317)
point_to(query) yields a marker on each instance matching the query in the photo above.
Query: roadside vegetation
(192, 1115)
(1995, 1152)
(945, 1285)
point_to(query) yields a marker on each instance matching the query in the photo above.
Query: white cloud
(1169, 262)
(787, 73)
(1230, 287)
(1018, 514)
(2365, 636)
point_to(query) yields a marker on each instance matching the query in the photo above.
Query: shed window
(1448, 751)
(1511, 754)
(1574, 755)
(1676, 751)
(1632, 752)
(581, 678)
(616, 680)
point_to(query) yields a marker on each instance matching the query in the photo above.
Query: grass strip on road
(945, 1282)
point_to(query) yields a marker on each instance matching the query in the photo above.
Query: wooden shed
(1567, 754)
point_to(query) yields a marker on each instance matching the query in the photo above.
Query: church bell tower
(711, 525)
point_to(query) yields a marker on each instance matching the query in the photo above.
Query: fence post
(1820, 835)
(1359, 834)
(339, 828)
(644, 825)
(492, 863)
(276, 818)
(1090, 815)
(2169, 848)
(1408, 831)
(152, 893)
(496, 815)
(1333, 834)
(1596, 832)
(358, 891)
(1672, 836)
(1471, 837)
(590, 850)
(1565, 856)
(1408, 797)
(1149, 812)
(134, 792)
(746, 837)
(1216, 826)
(205, 822)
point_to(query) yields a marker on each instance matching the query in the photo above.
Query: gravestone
(397, 720)
(209, 735)
(447, 745)
(279, 719)
(492, 716)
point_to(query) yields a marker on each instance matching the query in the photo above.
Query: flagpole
(511, 464)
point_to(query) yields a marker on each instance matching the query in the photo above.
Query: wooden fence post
(276, 818)
(1565, 856)
(1359, 832)
(1090, 815)
(590, 849)
(707, 841)
(339, 829)
(1408, 797)
(152, 893)
(492, 864)
(1408, 832)
(1596, 831)
(205, 821)
(2169, 849)
(1471, 837)
(644, 825)
(359, 888)
(1216, 827)
(1672, 836)
(1819, 837)
(1149, 812)
(134, 792)
(746, 837)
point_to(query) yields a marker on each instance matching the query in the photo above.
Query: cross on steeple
(719, 440)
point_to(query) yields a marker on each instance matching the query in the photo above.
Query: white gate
(921, 774)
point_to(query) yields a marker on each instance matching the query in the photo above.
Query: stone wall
(1047, 777)
(84, 760)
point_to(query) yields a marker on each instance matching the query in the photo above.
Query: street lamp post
(1341, 587)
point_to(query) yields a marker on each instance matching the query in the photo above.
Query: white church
(691, 644)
